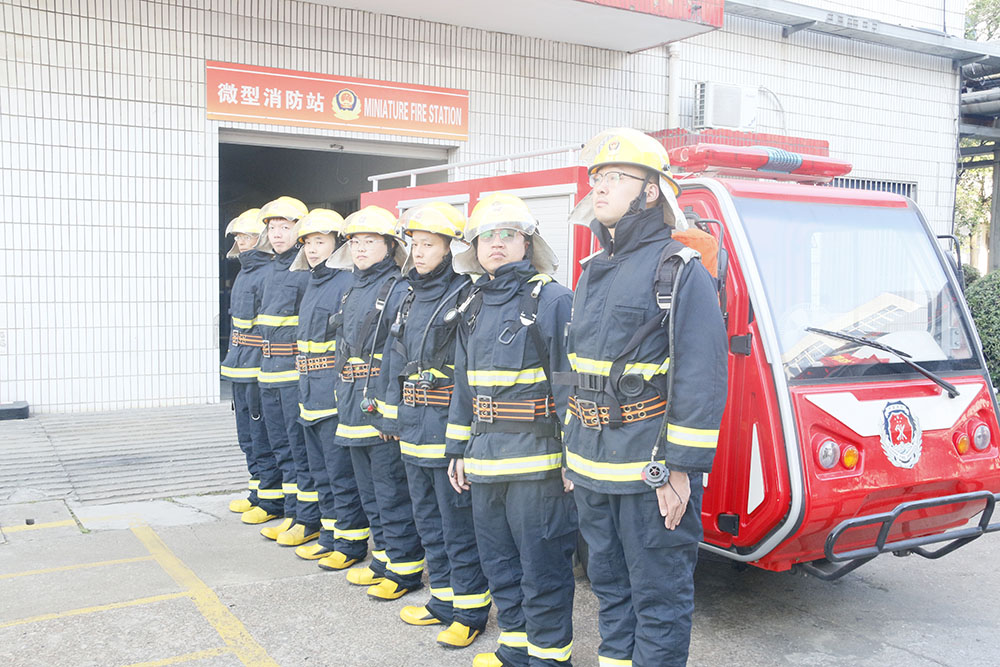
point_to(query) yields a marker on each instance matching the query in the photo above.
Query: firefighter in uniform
(419, 360)
(503, 433)
(648, 349)
(279, 381)
(242, 362)
(344, 527)
(367, 312)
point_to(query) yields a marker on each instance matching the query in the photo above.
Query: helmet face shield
(318, 221)
(369, 220)
(245, 223)
(285, 208)
(504, 211)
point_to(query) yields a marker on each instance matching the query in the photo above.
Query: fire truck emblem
(346, 104)
(901, 435)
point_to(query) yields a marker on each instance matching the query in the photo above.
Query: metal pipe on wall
(673, 84)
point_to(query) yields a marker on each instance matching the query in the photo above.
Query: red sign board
(708, 12)
(250, 94)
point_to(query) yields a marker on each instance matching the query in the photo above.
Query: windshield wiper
(949, 387)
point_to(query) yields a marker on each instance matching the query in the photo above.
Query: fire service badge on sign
(901, 435)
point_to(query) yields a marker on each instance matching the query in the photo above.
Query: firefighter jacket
(242, 362)
(279, 320)
(367, 311)
(420, 365)
(504, 419)
(619, 407)
(317, 345)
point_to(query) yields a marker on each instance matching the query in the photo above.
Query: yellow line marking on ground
(187, 657)
(232, 631)
(38, 526)
(91, 610)
(79, 566)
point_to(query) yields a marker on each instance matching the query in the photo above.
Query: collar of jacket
(506, 283)
(321, 272)
(253, 259)
(432, 286)
(632, 231)
(286, 258)
(380, 269)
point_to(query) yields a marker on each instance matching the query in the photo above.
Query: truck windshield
(868, 271)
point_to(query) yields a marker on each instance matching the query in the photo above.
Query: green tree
(982, 20)
(972, 199)
(983, 296)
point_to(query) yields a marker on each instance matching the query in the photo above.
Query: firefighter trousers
(269, 475)
(379, 472)
(343, 521)
(250, 427)
(281, 414)
(526, 530)
(459, 591)
(642, 575)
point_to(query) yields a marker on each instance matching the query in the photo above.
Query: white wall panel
(109, 168)
(946, 16)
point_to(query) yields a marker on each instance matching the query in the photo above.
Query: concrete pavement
(92, 577)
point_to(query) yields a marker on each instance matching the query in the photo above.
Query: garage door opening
(253, 171)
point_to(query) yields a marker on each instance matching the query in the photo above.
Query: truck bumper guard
(839, 563)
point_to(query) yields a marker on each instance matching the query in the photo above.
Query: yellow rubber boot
(257, 515)
(486, 660)
(387, 589)
(240, 505)
(363, 576)
(418, 616)
(337, 560)
(296, 535)
(272, 532)
(312, 551)
(457, 635)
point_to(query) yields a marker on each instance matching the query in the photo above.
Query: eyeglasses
(611, 178)
(505, 235)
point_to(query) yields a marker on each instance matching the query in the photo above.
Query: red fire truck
(860, 419)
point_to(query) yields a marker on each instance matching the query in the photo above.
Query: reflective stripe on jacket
(509, 372)
(279, 317)
(356, 427)
(614, 298)
(421, 426)
(242, 362)
(317, 339)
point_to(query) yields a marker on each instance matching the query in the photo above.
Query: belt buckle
(265, 348)
(590, 381)
(590, 416)
(409, 394)
(347, 373)
(234, 340)
(302, 364)
(484, 403)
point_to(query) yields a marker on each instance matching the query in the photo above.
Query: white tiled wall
(947, 16)
(109, 168)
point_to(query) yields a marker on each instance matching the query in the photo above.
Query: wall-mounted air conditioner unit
(724, 105)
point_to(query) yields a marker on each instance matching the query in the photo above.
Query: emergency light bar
(766, 161)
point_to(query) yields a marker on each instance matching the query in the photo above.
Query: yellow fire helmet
(288, 208)
(501, 210)
(317, 221)
(437, 218)
(369, 220)
(245, 223)
(624, 145)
